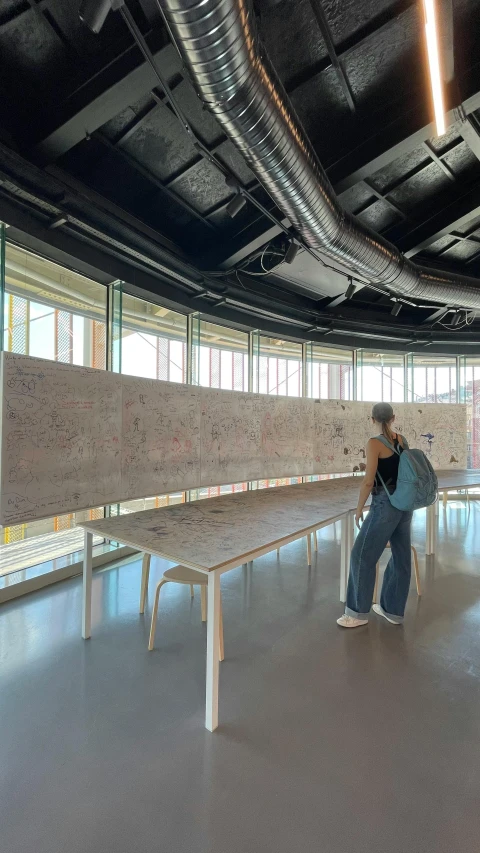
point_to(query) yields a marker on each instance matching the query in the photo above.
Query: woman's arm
(369, 478)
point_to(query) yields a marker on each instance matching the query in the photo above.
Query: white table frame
(212, 669)
(213, 593)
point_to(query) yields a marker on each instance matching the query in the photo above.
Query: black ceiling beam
(122, 83)
(326, 32)
(414, 238)
(469, 131)
(438, 161)
(399, 138)
(156, 182)
(361, 35)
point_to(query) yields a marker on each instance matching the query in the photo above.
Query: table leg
(87, 586)
(309, 549)
(445, 499)
(431, 525)
(144, 585)
(346, 545)
(213, 651)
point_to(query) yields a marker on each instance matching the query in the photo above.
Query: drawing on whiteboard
(161, 437)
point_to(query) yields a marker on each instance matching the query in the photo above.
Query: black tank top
(388, 469)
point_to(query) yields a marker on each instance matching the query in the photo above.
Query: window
(432, 379)
(51, 312)
(220, 356)
(329, 373)
(153, 340)
(381, 377)
(277, 366)
(470, 394)
(54, 313)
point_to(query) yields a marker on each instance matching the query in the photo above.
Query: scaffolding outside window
(329, 373)
(381, 377)
(277, 366)
(219, 356)
(432, 379)
(153, 340)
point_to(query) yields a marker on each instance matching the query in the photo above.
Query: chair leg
(315, 541)
(192, 593)
(203, 599)
(154, 615)
(375, 591)
(417, 572)
(220, 629)
(144, 584)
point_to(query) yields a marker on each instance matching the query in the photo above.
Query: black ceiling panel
(350, 17)
(55, 73)
(399, 169)
(291, 36)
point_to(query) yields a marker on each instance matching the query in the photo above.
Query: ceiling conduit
(219, 44)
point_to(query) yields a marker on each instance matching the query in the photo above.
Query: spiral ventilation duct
(219, 44)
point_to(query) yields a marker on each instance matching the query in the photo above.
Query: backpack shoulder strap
(386, 442)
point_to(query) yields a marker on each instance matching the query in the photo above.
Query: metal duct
(219, 44)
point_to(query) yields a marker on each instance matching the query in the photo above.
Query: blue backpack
(417, 484)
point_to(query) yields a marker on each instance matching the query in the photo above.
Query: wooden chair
(179, 574)
(309, 546)
(417, 574)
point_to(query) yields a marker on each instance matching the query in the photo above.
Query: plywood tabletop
(212, 533)
(460, 479)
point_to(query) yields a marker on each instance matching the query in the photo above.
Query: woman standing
(384, 524)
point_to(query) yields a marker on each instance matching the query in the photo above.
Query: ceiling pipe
(219, 44)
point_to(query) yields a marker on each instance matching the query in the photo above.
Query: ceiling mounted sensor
(93, 13)
(235, 205)
(220, 46)
(396, 309)
(350, 289)
(291, 253)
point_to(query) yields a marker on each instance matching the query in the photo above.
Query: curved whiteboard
(74, 438)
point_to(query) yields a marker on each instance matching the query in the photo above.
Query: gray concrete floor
(329, 740)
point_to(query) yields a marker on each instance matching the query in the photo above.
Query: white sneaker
(346, 621)
(378, 610)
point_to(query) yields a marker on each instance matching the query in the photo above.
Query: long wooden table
(216, 535)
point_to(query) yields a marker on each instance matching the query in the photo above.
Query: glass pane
(277, 367)
(381, 377)
(51, 312)
(154, 340)
(220, 356)
(434, 379)
(329, 373)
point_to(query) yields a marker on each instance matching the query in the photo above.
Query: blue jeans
(384, 523)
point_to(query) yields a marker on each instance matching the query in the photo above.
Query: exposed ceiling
(95, 162)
